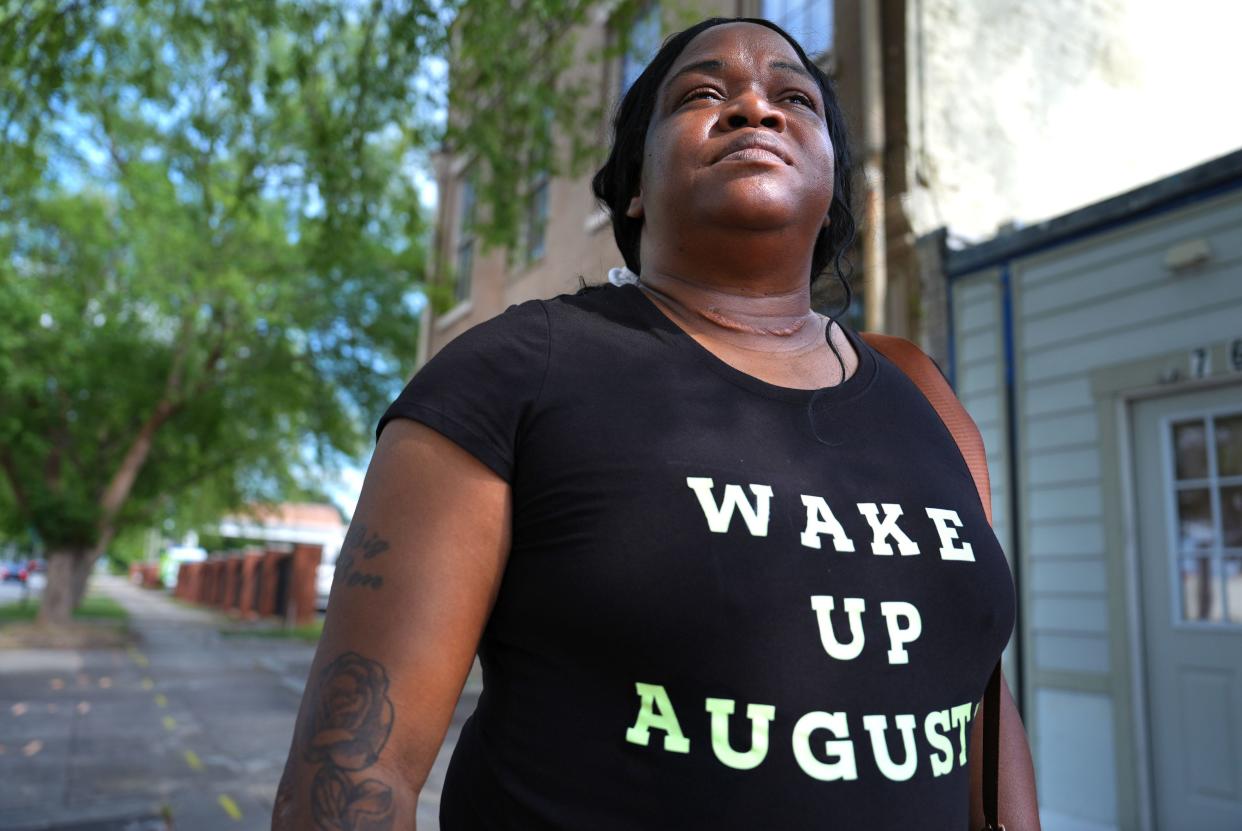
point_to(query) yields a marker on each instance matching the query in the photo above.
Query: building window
(808, 21)
(464, 260)
(537, 216)
(1205, 501)
(642, 43)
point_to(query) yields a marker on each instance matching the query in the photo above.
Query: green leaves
(209, 231)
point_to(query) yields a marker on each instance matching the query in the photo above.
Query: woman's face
(738, 139)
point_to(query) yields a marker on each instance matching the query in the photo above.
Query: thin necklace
(713, 314)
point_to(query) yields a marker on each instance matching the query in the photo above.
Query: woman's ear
(635, 209)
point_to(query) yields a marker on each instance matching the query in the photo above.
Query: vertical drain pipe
(875, 261)
(1013, 450)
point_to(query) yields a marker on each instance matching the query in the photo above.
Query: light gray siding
(1104, 300)
(979, 367)
(1076, 782)
(979, 382)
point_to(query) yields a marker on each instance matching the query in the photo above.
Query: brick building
(978, 114)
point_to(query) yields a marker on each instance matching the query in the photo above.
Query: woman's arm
(1019, 807)
(415, 583)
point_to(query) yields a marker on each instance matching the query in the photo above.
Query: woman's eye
(700, 93)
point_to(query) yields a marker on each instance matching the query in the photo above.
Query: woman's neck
(771, 320)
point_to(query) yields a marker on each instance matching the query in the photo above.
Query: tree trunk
(82, 575)
(67, 568)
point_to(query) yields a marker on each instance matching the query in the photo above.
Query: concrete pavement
(188, 724)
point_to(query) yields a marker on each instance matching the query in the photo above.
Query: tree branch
(19, 493)
(105, 121)
(122, 481)
(364, 76)
(149, 514)
(62, 446)
(176, 370)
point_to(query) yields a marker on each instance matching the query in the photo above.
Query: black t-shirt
(728, 604)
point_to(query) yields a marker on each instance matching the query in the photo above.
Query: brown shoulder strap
(923, 371)
(928, 377)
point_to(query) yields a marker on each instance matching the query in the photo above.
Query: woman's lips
(753, 154)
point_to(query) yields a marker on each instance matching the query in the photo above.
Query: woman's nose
(753, 110)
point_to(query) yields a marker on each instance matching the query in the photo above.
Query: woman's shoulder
(596, 307)
(520, 332)
(600, 301)
(588, 296)
(527, 333)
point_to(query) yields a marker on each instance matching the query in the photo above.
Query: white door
(1188, 470)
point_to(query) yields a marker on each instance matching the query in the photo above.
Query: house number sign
(1200, 362)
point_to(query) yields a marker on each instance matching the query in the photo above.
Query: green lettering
(760, 716)
(655, 710)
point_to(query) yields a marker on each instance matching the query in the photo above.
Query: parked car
(13, 571)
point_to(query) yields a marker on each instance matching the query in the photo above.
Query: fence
(253, 583)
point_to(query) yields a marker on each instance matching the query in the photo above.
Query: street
(186, 724)
(12, 592)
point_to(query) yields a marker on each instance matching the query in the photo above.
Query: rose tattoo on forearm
(347, 722)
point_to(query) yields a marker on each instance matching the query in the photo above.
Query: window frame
(642, 16)
(537, 220)
(464, 238)
(804, 5)
(1217, 553)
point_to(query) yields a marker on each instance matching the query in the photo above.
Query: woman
(722, 563)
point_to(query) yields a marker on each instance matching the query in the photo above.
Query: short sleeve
(480, 389)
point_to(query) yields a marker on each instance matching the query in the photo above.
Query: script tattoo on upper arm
(358, 544)
(347, 722)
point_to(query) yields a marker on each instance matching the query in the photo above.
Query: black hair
(617, 182)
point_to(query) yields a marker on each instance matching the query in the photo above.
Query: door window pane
(1231, 515)
(1194, 521)
(1207, 493)
(1232, 569)
(1190, 449)
(1229, 446)
(1200, 590)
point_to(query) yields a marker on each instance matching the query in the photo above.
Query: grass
(94, 607)
(309, 633)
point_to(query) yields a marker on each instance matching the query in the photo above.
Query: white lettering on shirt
(719, 517)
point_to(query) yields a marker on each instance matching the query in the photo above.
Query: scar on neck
(715, 316)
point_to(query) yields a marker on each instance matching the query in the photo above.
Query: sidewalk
(188, 723)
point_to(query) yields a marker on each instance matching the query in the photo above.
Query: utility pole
(875, 259)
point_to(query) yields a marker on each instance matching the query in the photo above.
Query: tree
(514, 107)
(208, 238)
(209, 232)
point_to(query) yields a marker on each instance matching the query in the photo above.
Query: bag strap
(915, 363)
(927, 376)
